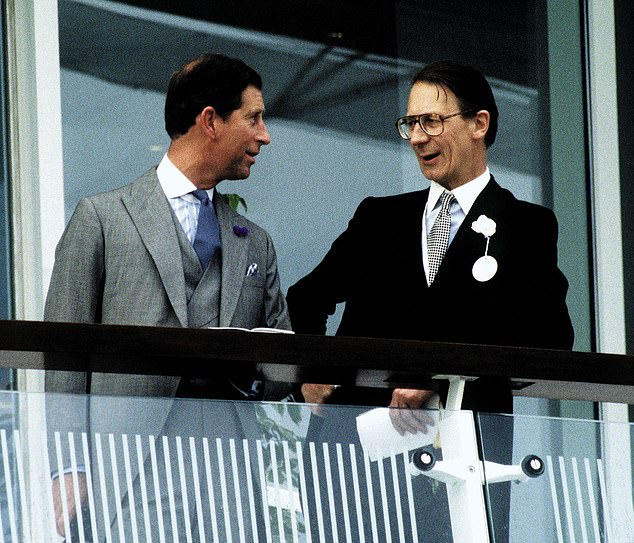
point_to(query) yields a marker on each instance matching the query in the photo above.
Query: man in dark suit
(411, 266)
(380, 266)
(167, 249)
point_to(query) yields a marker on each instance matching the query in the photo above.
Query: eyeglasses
(432, 124)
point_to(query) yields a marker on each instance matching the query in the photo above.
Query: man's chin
(432, 175)
(237, 176)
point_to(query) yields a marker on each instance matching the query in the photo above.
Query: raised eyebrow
(415, 117)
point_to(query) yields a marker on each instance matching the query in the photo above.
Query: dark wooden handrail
(307, 358)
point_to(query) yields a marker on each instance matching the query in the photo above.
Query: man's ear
(207, 121)
(481, 124)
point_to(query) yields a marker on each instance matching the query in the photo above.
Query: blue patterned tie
(207, 240)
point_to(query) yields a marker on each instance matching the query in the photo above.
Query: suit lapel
(467, 246)
(234, 258)
(150, 211)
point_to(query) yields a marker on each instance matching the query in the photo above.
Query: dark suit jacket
(376, 268)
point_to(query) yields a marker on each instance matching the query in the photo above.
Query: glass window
(336, 76)
(6, 308)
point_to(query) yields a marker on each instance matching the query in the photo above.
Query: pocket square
(252, 270)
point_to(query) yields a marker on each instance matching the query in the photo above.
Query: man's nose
(418, 135)
(264, 137)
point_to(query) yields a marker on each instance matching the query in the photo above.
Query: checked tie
(207, 240)
(438, 238)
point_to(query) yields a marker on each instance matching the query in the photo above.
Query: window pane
(336, 76)
(6, 306)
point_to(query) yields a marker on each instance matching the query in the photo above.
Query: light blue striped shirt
(178, 189)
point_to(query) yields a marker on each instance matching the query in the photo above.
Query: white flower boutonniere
(486, 266)
(484, 226)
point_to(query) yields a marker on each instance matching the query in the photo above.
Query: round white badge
(484, 268)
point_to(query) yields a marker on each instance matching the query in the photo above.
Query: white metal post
(610, 298)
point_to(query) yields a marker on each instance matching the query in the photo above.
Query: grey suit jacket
(119, 262)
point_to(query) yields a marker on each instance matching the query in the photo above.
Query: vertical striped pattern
(143, 489)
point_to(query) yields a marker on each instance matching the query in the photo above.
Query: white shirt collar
(174, 182)
(465, 194)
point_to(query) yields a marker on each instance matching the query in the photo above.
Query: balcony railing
(165, 469)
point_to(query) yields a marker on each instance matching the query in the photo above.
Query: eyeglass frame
(418, 118)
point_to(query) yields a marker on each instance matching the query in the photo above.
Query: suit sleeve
(315, 297)
(75, 291)
(547, 321)
(74, 294)
(275, 305)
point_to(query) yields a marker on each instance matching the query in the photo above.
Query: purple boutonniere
(240, 231)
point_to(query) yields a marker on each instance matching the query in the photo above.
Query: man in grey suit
(138, 254)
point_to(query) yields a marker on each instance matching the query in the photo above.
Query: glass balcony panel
(152, 469)
(585, 473)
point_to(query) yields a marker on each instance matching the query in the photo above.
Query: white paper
(261, 329)
(380, 439)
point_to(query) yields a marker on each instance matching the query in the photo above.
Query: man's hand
(408, 417)
(71, 504)
(317, 394)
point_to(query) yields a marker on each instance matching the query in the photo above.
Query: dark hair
(209, 80)
(470, 87)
